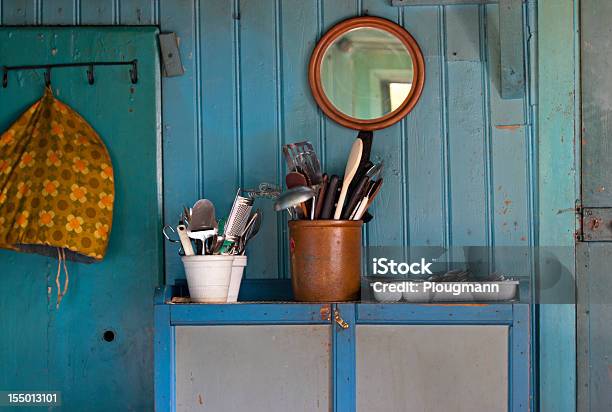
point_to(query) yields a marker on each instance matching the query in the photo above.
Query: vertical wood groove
(489, 190)
(445, 137)
(38, 15)
(199, 134)
(117, 12)
(76, 12)
(530, 46)
(405, 171)
(321, 128)
(237, 95)
(280, 135)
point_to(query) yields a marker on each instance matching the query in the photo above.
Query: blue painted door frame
(343, 319)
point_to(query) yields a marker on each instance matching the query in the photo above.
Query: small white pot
(240, 261)
(208, 277)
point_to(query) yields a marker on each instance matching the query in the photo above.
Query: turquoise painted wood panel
(426, 137)
(62, 12)
(63, 349)
(557, 182)
(389, 146)
(457, 168)
(439, 194)
(97, 12)
(182, 123)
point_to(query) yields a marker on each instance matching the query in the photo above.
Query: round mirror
(366, 73)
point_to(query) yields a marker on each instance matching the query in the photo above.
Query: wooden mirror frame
(314, 73)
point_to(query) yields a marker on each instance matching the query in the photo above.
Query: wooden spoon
(352, 164)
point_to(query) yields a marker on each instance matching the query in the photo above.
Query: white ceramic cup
(208, 277)
(240, 261)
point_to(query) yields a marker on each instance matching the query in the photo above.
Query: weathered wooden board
(593, 258)
(556, 199)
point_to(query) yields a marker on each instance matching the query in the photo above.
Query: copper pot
(325, 259)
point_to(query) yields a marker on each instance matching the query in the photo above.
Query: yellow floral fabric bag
(56, 184)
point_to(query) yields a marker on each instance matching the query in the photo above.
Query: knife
(321, 195)
(356, 195)
(330, 197)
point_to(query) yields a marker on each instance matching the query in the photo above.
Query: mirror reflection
(367, 73)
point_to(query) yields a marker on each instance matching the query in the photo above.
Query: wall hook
(48, 77)
(133, 64)
(134, 72)
(90, 74)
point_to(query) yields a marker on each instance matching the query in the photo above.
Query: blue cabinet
(341, 357)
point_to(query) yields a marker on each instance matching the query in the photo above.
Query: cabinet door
(253, 368)
(432, 368)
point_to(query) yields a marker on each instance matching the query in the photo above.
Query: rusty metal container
(325, 260)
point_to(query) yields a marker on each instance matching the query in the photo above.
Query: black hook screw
(48, 77)
(90, 74)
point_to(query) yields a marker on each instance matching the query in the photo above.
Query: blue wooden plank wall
(458, 169)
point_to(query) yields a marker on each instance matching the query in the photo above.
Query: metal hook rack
(90, 70)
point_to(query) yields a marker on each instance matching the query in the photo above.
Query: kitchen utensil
(321, 195)
(293, 197)
(294, 179)
(238, 217)
(250, 231)
(361, 208)
(374, 172)
(365, 162)
(308, 163)
(293, 150)
(218, 244)
(264, 190)
(186, 216)
(202, 216)
(355, 197)
(373, 192)
(330, 197)
(185, 241)
(202, 223)
(365, 203)
(200, 237)
(349, 172)
(167, 236)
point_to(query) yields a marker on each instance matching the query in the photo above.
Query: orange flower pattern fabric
(56, 183)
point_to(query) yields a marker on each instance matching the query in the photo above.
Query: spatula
(352, 165)
(202, 220)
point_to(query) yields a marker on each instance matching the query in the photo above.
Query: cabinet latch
(341, 322)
